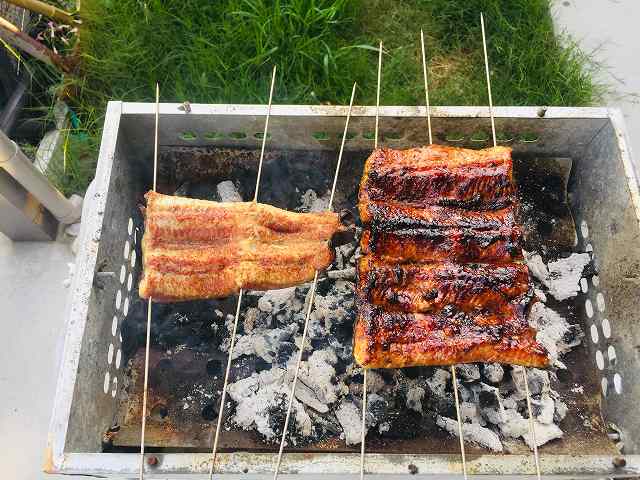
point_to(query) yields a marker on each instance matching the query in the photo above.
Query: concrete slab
(32, 303)
(609, 29)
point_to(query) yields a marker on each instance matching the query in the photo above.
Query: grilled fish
(196, 249)
(439, 175)
(440, 281)
(433, 287)
(384, 339)
(443, 244)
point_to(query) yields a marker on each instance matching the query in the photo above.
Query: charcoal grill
(606, 206)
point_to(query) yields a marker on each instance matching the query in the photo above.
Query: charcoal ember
(274, 301)
(560, 412)
(263, 342)
(342, 274)
(376, 410)
(311, 202)
(307, 396)
(203, 190)
(492, 372)
(544, 434)
(403, 423)
(244, 367)
(318, 374)
(346, 252)
(538, 380)
(437, 383)
(468, 372)
(251, 320)
(472, 432)
(227, 192)
(348, 414)
(439, 396)
(376, 383)
(414, 396)
(562, 276)
(326, 425)
(470, 413)
(344, 350)
(490, 403)
(465, 393)
(285, 351)
(261, 402)
(543, 409)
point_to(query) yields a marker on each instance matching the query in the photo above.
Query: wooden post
(46, 10)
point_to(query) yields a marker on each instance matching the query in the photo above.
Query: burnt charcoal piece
(210, 412)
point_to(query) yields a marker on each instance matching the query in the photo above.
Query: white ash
(554, 332)
(344, 274)
(437, 383)
(310, 202)
(317, 373)
(470, 413)
(468, 372)
(472, 432)
(492, 372)
(274, 301)
(544, 409)
(349, 416)
(544, 433)
(263, 342)
(227, 192)
(258, 396)
(261, 399)
(561, 277)
(414, 398)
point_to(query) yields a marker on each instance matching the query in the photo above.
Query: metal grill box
(605, 203)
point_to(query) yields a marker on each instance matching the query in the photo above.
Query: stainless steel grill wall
(605, 202)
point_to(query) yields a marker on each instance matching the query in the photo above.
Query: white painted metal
(16, 164)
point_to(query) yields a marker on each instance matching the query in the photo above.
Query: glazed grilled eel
(438, 175)
(433, 287)
(440, 282)
(386, 339)
(197, 249)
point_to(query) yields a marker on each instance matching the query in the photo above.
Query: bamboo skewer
(363, 431)
(426, 85)
(532, 429)
(453, 368)
(311, 300)
(214, 450)
(149, 305)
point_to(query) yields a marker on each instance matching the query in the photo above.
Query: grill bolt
(152, 461)
(619, 462)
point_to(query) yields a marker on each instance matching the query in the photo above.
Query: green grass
(223, 51)
(72, 168)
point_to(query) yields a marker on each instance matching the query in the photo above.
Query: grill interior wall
(93, 411)
(603, 201)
